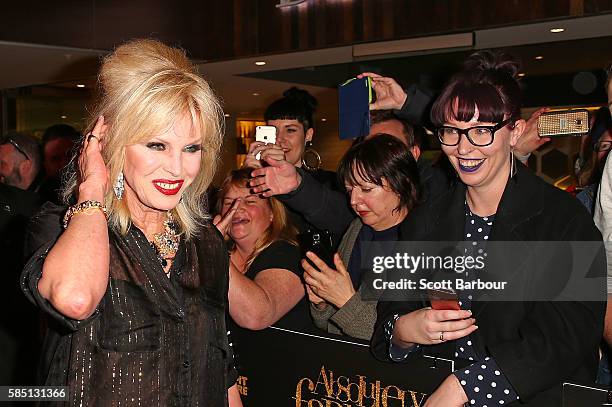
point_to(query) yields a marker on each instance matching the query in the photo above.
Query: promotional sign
(278, 367)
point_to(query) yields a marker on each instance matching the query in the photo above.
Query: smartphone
(443, 299)
(354, 97)
(560, 123)
(320, 243)
(266, 135)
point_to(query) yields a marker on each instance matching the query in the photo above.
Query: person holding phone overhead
(516, 351)
(293, 117)
(133, 275)
(382, 181)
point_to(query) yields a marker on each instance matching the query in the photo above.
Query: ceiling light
(80, 85)
(557, 30)
(63, 117)
(255, 94)
(520, 75)
(226, 115)
(539, 57)
(260, 63)
(323, 119)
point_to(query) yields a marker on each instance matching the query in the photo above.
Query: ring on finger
(442, 336)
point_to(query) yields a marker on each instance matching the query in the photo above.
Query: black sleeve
(417, 102)
(320, 205)
(557, 336)
(279, 255)
(43, 231)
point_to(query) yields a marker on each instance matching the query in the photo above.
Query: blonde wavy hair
(281, 227)
(143, 87)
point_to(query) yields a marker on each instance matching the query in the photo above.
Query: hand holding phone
(320, 243)
(266, 135)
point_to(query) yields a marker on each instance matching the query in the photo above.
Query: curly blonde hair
(143, 87)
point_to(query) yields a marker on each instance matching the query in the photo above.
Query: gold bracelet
(83, 207)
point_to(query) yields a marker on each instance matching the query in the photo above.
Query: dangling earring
(118, 187)
(512, 164)
(316, 157)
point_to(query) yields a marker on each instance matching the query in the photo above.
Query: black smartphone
(320, 243)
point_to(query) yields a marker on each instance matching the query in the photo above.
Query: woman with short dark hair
(382, 181)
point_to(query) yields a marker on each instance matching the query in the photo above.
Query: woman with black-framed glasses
(516, 346)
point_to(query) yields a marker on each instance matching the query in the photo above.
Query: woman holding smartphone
(516, 351)
(293, 117)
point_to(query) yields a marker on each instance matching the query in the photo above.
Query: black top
(153, 340)
(537, 345)
(283, 255)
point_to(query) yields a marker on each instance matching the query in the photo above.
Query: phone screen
(444, 300)
(320, 243)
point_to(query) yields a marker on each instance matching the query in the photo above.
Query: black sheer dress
(153, 340)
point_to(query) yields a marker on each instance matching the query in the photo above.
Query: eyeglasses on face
(480, 136)
(9, 140)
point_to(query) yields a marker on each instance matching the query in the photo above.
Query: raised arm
(258, 303)
(75, 272)
(319, 204)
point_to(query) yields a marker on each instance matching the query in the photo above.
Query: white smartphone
(265, 134)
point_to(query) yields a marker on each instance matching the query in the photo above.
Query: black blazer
(538, 345)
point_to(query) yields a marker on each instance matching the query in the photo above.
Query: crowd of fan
(383, 190)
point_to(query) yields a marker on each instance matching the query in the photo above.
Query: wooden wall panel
(215, 30)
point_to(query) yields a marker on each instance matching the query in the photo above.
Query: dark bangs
(296, 104)
(466, 97)
(383, 157)
(289, 110)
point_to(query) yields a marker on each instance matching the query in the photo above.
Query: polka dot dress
(483, 382)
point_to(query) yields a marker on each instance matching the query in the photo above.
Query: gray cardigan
(356, 318)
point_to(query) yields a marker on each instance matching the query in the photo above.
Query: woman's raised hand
(280, 177)
(389, 94)
(333, 286)
(94, 177)
(224, 221)
(428, 326)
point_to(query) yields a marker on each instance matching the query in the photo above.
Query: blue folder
(354, 98)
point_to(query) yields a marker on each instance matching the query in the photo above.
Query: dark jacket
(538, 345)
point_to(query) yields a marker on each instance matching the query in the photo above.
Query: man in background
(19, 160)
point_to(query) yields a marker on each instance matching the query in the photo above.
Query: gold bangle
(83, 207)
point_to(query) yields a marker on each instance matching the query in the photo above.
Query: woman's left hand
(334, 286)
(448, 394)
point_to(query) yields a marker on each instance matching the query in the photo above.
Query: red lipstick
(168, 186)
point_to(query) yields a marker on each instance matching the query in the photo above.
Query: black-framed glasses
(603, 146)
(479, 136)
(9, 140)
